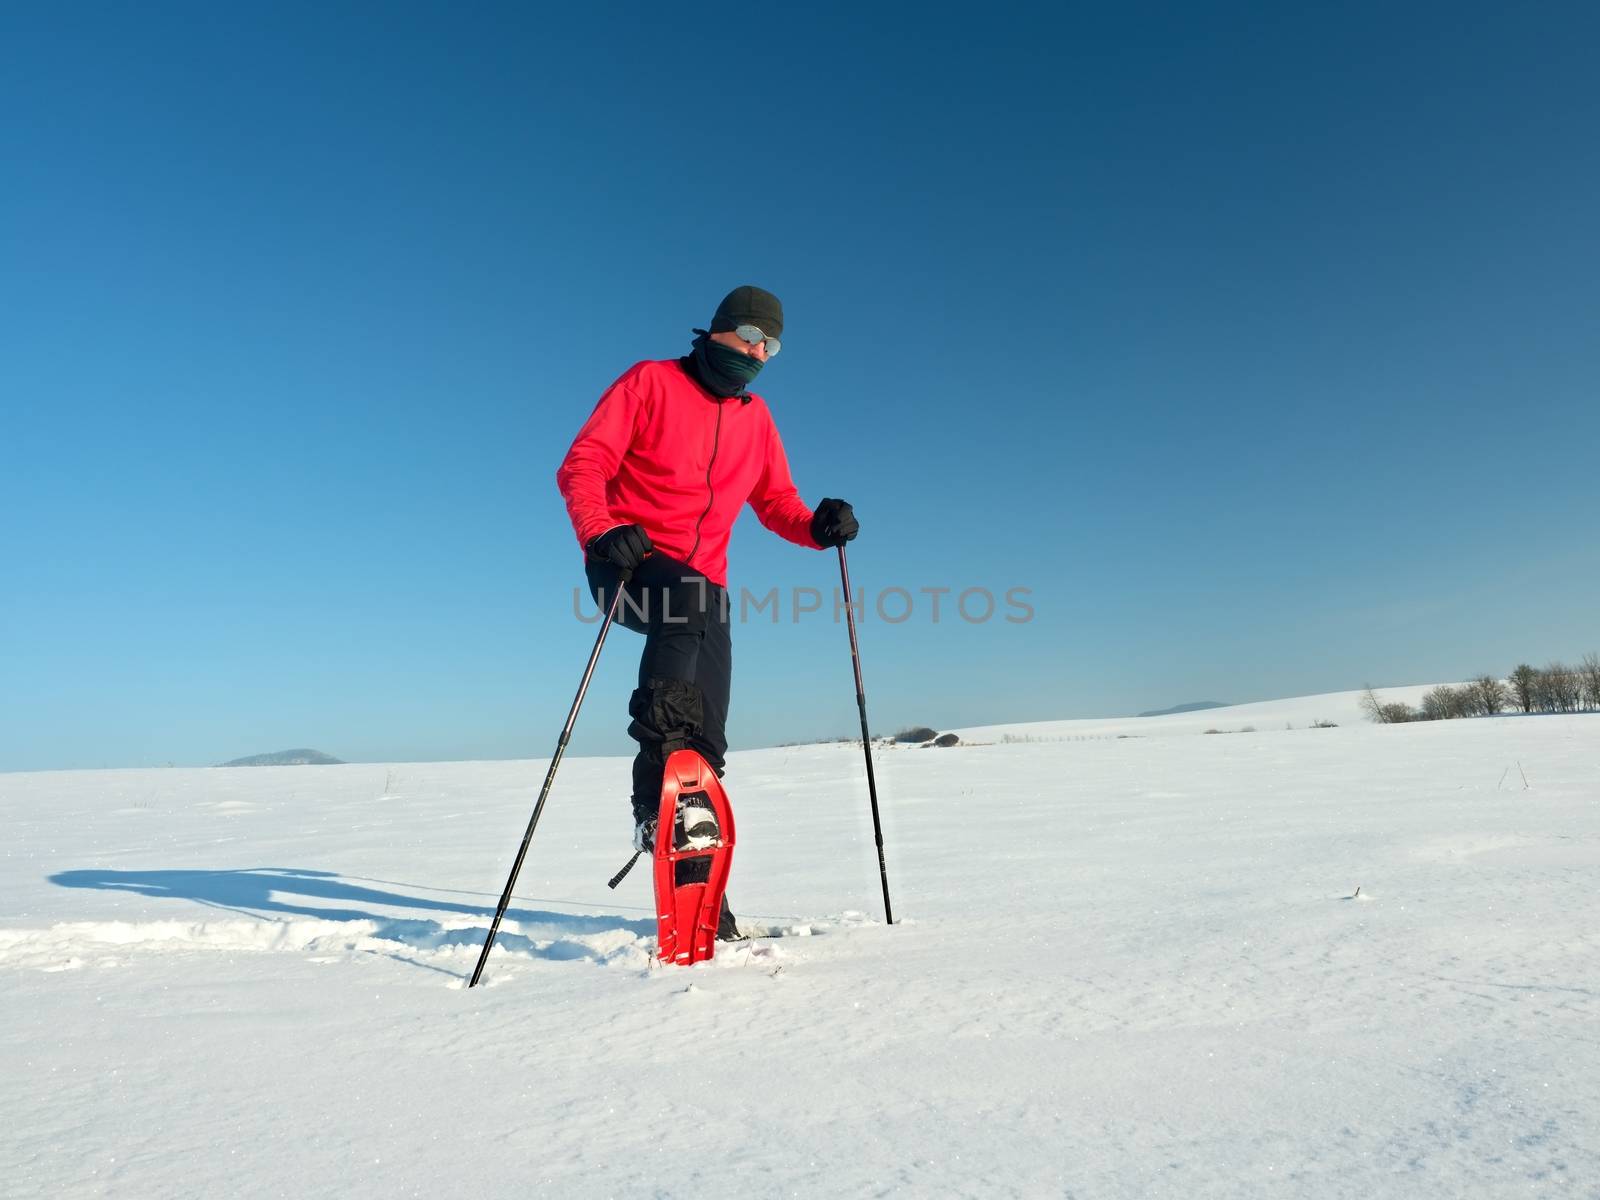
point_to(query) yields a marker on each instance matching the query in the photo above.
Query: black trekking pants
(685, 672)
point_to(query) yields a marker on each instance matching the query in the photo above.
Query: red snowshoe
(693, 855)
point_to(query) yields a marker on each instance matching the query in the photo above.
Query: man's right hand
(834, 523)
(625, 547)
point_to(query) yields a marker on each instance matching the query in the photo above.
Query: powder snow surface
(1127, 967)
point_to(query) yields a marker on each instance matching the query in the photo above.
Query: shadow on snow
(257, 891)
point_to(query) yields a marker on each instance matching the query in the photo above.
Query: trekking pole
(549, 778)
(866, 738)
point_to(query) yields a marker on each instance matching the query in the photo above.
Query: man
(653, 483)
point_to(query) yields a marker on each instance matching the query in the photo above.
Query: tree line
(1557, 688)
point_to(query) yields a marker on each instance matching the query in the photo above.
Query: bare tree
(1375, 709)
(1446, 703)
(1590, 669)
(1397, 714)
(1560, 688)
(1489, 694)
(1542, 700)
(1437, 703)
(1371, 706)
(1523, 682)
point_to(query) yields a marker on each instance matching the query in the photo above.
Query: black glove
(625, 546)
(834, 523)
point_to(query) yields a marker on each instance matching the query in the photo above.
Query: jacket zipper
(711, 492)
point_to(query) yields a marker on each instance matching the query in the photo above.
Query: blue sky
(1261, 346)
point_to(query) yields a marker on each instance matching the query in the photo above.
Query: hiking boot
(727, 927)
(697, 823)
(644, 836)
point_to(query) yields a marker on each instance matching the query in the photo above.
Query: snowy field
(1127, 967)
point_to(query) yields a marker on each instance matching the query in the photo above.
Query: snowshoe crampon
(693, 855)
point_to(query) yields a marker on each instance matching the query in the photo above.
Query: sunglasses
(754, 336)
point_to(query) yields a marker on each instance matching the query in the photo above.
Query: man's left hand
(834, 523)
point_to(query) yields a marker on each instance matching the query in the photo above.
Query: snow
(1127, 967)
(1341, 708)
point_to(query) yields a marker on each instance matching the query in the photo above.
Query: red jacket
(662, 452)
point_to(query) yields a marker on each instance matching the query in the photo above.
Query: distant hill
(1197, 706)
(287, 758)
